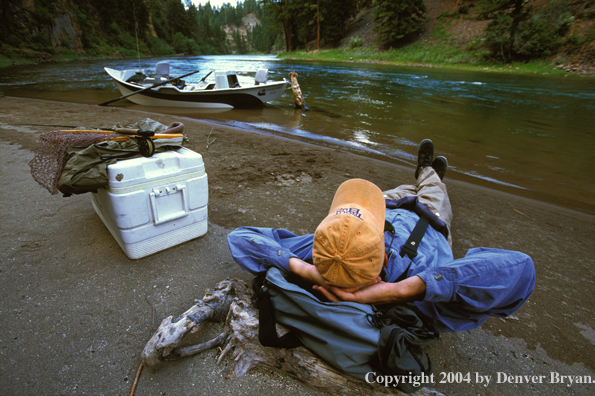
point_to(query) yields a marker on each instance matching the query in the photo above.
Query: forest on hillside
(515, 29)
(118, 27)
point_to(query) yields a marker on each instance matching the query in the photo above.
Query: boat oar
(147, 88)
(205, 77)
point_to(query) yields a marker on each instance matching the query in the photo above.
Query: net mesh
(47, 165)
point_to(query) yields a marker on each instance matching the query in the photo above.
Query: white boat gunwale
(172, 96)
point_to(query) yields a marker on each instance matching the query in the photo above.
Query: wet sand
(75, 316)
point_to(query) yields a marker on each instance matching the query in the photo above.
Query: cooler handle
(172, 216)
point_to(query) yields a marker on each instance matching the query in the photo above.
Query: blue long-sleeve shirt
(460, 294)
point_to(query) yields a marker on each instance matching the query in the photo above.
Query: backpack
(357, 339)
(85, 168)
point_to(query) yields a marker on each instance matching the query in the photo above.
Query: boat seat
(137, 78)
(232, 81)
(261, 76)
(162, 71)
(221, 81)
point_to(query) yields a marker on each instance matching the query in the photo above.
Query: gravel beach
(76, 312)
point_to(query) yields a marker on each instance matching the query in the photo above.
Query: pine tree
(514, 33)
(397, 19)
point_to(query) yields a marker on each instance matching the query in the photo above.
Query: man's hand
(410, 289)
(373, 292)
(310, 273)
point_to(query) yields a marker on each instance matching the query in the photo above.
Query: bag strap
(267, 332)
(410, 247)
(412, 204)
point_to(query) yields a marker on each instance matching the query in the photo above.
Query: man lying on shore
(393, 247)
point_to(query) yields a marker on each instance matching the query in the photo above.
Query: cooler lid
(164, 165)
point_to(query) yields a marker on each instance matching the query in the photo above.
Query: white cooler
(154, 203)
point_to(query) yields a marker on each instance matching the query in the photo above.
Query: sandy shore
(74, 314)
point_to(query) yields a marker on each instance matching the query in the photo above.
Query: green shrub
(144, 48)
(158, 47)
(104, 48)
(127, 52)
(536, 38)
(42, 15)
(126, 41)
(573, 42)
(279, 44)
(208, 49)
(40, 42)
(65, 42)
(439, 32)
(356, 42)
(397, 19)
(6, 58)
(192, 47)
(444, 15)
(66, 54)
(539, 35)
(497, 36)
(114, 29)
(180, 43)
(14, 41)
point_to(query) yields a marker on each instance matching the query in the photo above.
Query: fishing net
(48, 163)
(49, 160)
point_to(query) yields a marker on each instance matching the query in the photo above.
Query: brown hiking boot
(425, 155)
(440, 165)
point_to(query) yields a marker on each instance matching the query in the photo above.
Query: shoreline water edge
(539, 67)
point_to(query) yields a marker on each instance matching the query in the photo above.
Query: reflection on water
(529, 135)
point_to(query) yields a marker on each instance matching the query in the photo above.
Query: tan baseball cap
(348, 246)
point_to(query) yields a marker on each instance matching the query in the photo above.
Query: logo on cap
(351, 211)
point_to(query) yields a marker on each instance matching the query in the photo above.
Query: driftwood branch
(209, 142)
(232, 301)
(300, 103)
(212, 308)
(140, 368)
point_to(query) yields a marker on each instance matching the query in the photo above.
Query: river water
(529, 135)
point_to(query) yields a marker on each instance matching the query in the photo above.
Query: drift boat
(224, 92)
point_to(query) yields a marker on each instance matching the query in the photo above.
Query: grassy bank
(63, 57)
(8, 61)
(437, 55)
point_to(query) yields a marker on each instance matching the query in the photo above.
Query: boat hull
(171, 96)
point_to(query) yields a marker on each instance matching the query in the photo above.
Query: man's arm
(410, 289)
(257, 249)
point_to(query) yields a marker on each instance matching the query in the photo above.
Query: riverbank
(47, 58)
(420, 54)
(75, 315)
(437, 56)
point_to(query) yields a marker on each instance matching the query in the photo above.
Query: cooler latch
(169, 203)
